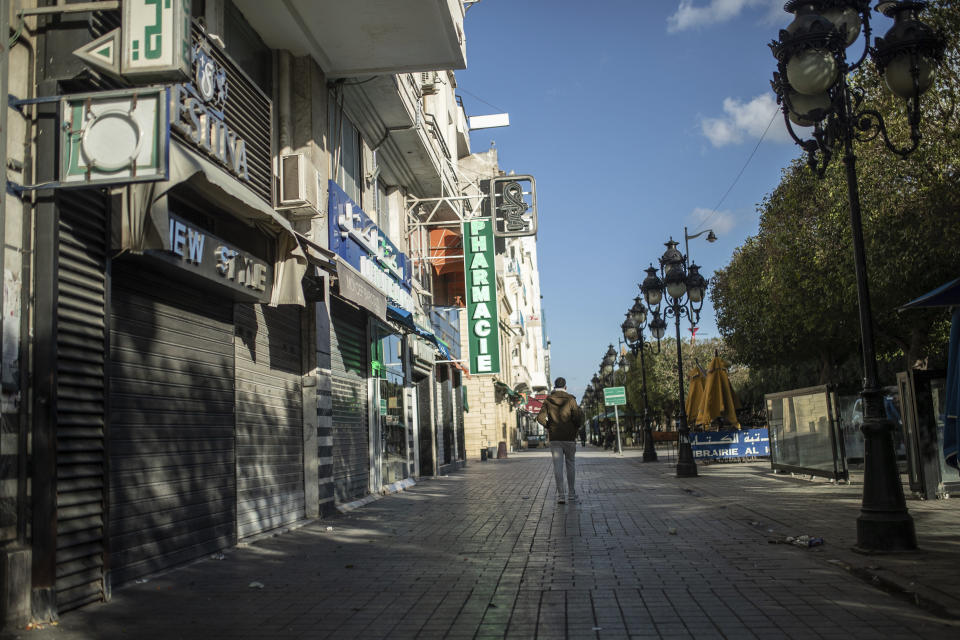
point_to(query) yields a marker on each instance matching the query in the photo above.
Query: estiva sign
(481, 293)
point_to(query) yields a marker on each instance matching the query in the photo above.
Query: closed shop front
(172, 444)
(269, 411)
(426, 422)
(445, 429)
(168, 413)
(206, 424)
(80, 440)
(349, 366)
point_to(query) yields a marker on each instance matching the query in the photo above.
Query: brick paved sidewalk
(804, 505)
(487, 553)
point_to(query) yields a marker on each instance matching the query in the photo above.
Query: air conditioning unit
(430, 82)
(299, 191)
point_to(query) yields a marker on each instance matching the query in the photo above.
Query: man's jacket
(561, 416)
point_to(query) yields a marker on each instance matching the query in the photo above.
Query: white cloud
(689, 16)
(720, 221)
(743, 120)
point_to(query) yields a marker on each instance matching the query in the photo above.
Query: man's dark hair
(560, 383)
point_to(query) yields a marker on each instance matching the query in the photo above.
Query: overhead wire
(716, 208)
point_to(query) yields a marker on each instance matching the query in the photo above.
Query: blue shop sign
(748, 443)
(356, 238)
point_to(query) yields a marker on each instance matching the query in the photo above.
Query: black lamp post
(597, 384)
(685, 289)
(812, 89)
(633, 328)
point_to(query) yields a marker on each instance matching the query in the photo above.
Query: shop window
(387, 367)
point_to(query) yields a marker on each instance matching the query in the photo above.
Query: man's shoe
(574, 498)
(561, 500)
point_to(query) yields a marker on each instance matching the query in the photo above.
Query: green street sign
(613, 396)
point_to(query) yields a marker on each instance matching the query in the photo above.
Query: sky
(635, 118)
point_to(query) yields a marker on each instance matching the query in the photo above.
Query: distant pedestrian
(562, 417)
(608, 435)
(583, 436)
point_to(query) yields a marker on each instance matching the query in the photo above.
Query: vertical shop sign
(481, 292)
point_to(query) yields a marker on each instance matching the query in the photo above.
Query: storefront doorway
(388, 369)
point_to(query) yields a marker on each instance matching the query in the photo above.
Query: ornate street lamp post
(597, 386)
(813, 90)
(633, 328)
(685, 289)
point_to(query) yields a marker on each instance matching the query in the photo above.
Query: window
(345, 150)
(247, 49)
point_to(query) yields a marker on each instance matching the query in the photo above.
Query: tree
(788, 295)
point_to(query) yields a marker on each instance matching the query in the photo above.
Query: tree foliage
(787, 302)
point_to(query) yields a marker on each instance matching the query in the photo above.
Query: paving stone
(429, 562)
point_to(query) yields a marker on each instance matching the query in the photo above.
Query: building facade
(239, 322)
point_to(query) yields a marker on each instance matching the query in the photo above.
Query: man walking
(562, 416)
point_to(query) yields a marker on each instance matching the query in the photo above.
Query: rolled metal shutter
(81, 379)
(426, 423)
(348, 382)
(270, 489)
(445, 389)
(172, 444)
(458, 416)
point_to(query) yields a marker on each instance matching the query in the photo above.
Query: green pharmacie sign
(481, 292)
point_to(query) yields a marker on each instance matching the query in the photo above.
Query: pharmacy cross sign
(513, 206)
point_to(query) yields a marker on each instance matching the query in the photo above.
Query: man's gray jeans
(563, 453)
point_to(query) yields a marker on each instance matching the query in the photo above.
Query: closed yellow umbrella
(694, 395)
(719, 400)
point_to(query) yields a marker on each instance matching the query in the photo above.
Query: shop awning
(947, 295)
(506, 389)
(405, 319)
(444, 351)
(144, 223)
(401, 317)
(317, 255)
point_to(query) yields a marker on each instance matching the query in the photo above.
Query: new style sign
(207, 256)
(483, 329)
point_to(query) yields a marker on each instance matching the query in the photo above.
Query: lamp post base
(649, 451)
(686, 469)
(885, 524)
(885, 533)
(686, 465)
